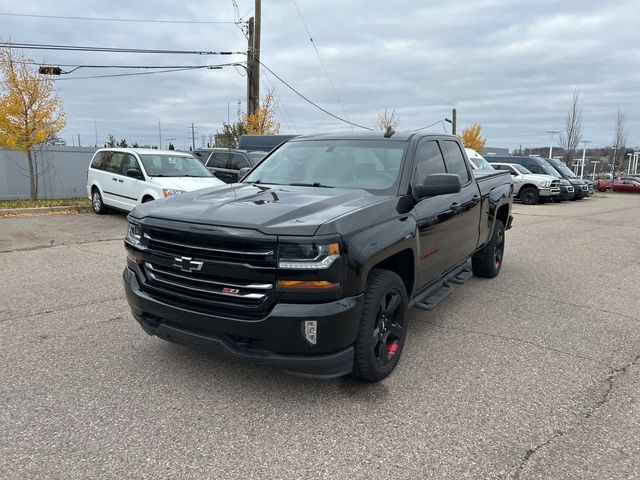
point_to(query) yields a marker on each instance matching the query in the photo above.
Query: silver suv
(530, 188)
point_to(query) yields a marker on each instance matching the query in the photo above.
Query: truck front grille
(204, 288)
(215, 248)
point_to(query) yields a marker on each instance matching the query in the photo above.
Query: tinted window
(428, 160)
(455, 160)
(237, 162)
(100, 160)
(220, 160)
(173, 165)
(129, 162)
(114, 163)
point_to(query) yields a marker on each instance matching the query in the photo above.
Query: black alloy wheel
(383, 326)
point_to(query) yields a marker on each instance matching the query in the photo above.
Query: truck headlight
(307, 257)
(134, 234)
(171, 192)
(546, 184)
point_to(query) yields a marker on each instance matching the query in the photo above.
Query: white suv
(122, 178)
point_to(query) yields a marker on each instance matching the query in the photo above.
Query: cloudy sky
(509, 65)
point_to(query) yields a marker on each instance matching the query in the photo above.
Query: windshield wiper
(314, 184)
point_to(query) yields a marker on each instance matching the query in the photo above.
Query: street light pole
(593, 175)
(629, 164)
(584, 151)
(552, 133)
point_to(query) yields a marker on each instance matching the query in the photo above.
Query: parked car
(477, 161)
(529, 187)
(226, 165)
(581, 188)
(203, 154)
(626, 185)
(539, 166)
(122, 178)
(312, 262)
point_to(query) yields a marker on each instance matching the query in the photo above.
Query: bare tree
(619, 139)
(387, 119)
(570, 138)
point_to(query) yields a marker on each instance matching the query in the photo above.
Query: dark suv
(582, 188)
(226, 164)
(540, 166)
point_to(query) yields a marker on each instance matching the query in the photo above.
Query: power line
(279, 99)
(311, 102)
(77, 48)
(132, 20)
(128, 74)
(324, 67)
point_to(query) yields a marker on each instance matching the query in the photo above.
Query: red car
(621, 185)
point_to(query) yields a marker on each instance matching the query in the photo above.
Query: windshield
(561, 167)
(521, 169)
(172, 165)
(480, 163)
(367, 164)
(548, 169)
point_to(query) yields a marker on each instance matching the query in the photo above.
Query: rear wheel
(97, 203)
(383, 326)
(488, 261)
(529, 196)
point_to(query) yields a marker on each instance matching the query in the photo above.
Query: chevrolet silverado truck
(311, 263)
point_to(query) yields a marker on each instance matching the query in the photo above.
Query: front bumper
(549, 192)
(275, 340)
(566, 192)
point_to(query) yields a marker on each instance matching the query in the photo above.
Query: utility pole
(454, 116)
(159, 136)
(193, 136)
(95, 127)
(256, 55)
(79, 140)
(250, 68)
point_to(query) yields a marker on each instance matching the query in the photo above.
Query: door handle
(456, 207)
(114, 179)
(121, 181)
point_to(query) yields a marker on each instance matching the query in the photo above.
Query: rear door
(237, 162)
(435, 217)
(219, 165)
(466, 223)
(114, 191)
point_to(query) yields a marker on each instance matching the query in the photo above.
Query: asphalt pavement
(532, 375)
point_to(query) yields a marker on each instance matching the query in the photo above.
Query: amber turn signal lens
(306, 284)
(333, 249)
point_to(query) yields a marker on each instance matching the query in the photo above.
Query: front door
(434, 216)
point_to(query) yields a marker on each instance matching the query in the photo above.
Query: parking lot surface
(534, 374)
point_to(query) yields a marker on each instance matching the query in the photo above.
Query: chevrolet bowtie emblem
(186, 264)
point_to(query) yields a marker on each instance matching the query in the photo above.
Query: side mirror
(242, 172)
(438, 184)
(134, 173)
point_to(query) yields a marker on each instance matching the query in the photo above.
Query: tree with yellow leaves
(471, 138)
(263, 121)
(30, 110)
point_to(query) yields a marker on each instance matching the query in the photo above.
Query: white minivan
(122, 178)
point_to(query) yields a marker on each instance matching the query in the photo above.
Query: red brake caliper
(392, 348)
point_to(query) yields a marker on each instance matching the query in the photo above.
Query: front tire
(529, 196)
(383, 326)
(488, 261)
(96, 202)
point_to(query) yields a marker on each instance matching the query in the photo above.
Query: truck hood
(279, 210)
(535, 177)
(186, 184)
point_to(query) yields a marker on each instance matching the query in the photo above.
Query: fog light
(311, 331)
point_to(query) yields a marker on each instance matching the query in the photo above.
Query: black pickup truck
(312, 262)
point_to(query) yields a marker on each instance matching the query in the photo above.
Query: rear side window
(114, 163)
(220, 160)
(455, 160)
(428, 160)
(237, 162)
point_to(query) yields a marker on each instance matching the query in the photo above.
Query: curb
(43, 210)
